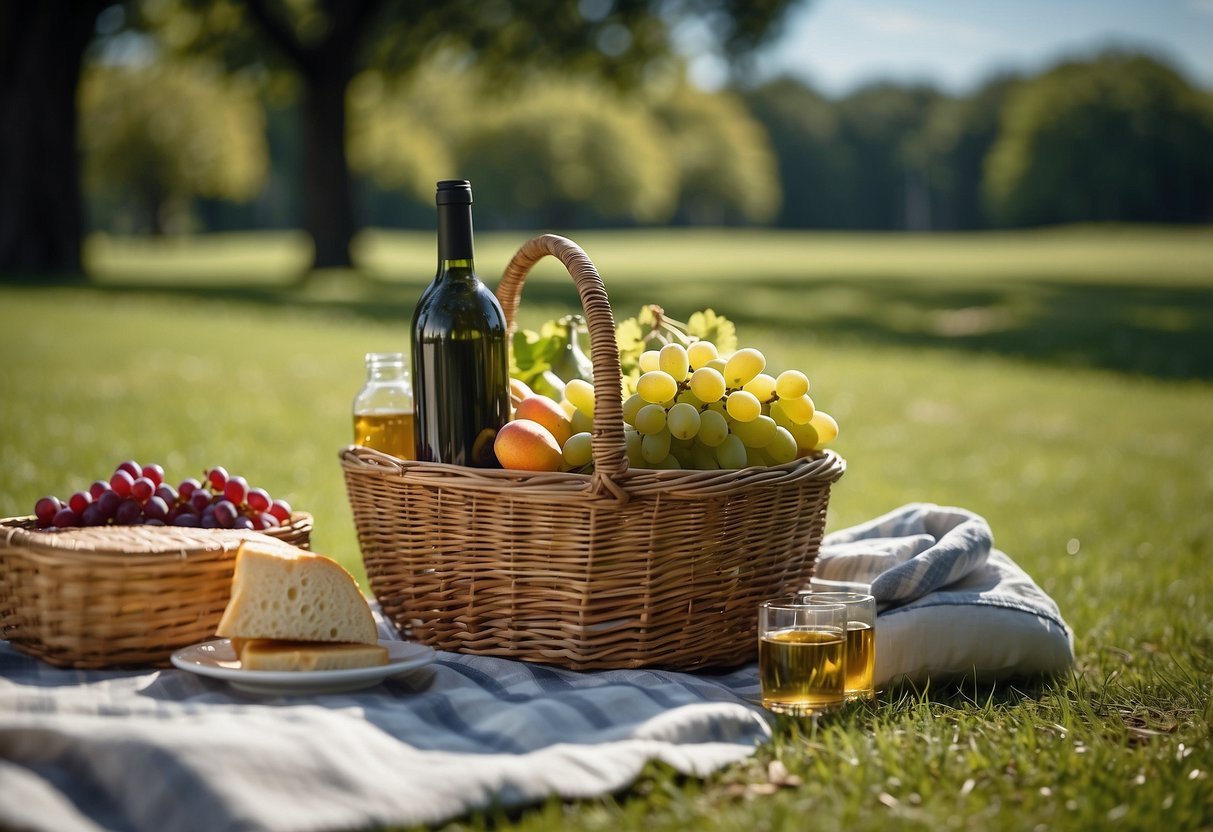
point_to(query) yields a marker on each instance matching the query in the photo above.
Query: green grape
(650, 360)
(655, 447)
(670, 463)
(700, 353)
(684, 455)
(799, 410)
(683, 420)
(707, 385)
(650, 419)
(718, 406)
(781, 418)
(581, 393)
(579, 422)
(713, 428)
(762, 386)
(717, 364)
(731, 453)
(791, 384)
(631, 407)
(782, 447)
(657, 386)
(755, 457)
(687, 397)
(633, 440)
(743, 406)
(827, 428)
(757, 433)
(806, 437)
(742, 366)
(673, 360)
(703, 458)
(578, 450)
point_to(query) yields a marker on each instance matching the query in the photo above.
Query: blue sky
(838, 45)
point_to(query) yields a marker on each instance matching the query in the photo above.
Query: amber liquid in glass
(802, 671)
(390, 432)
(861, 660)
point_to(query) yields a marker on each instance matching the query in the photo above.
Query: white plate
(218, 660)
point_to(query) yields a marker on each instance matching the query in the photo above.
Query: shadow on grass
(1160, 331)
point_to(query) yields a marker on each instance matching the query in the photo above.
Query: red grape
(79, 501)
(129, 513)
(281, 509)
(242, 522)
(236, 490)
(107, 504)
(142, 488)
(46, 508)
(185, 520)
(265, 522)
(154, 472)
(167, 493)
(65, 518)
(121, 482)
(154, 522)
(42, 524)
(98, 488)
(217, 477)
(131, 467)
(208, 521)
(225, 514)
(258, 499)
(92, 516)
(199, 500)
(155, 509)
(188, 487)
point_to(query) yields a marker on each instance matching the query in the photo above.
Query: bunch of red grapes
(138, 496)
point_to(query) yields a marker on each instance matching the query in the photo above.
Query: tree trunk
(41, 50)
(328, 204)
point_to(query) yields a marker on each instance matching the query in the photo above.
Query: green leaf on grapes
(718, 329)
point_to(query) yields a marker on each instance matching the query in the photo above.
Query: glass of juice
(861, 638)
(383, 408)
(801, 655)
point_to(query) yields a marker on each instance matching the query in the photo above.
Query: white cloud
(888, 20)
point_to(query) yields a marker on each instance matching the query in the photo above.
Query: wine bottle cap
(454, 192)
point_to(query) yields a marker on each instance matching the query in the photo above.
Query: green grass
(1059, 382)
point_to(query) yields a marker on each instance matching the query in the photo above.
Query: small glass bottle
(383, 408)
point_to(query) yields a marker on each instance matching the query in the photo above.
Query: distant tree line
(1118, 138)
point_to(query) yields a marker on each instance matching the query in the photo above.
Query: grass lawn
(1058, 382)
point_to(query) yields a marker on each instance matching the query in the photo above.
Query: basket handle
(610, 447)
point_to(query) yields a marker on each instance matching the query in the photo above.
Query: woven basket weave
(118, 596)
(619, 568)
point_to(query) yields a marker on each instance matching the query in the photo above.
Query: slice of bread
(280, 592)
(272, 654)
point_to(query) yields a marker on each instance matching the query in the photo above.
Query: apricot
(546, 412)
(527, 446)
(519, 391)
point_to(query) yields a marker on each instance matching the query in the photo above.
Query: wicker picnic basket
(615, 569)
(118, 596)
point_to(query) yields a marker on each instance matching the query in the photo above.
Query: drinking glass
(861, 638)
(383, 408)
(801, 656)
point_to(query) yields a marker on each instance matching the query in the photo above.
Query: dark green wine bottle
(461, 382)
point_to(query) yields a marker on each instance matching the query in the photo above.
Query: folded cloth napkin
(167, 750)
(951, 604)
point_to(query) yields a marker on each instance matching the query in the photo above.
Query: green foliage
(170, 131)
(727, 168)
(1119, 138)
(563, 153)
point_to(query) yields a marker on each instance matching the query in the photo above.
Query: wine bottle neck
(455, 248)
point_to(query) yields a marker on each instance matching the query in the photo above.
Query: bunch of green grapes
(693, 408)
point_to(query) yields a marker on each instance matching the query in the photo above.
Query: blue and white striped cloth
(165, 750)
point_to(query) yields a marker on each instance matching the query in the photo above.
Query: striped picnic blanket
(167, 750)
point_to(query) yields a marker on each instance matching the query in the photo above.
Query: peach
(546, 412)
(527, 446)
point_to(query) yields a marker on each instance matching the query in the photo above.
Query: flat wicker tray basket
(118, 596)
(619, 568)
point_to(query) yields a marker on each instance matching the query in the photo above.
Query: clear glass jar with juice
(383, 408)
